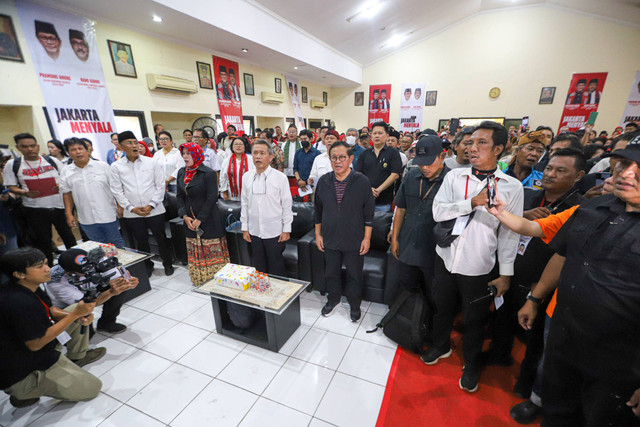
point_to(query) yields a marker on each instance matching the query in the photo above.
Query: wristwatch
(530, 297)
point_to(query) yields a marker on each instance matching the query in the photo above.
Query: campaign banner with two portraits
(64, 54)
(379, 106)
(411, 102)
(292, 85)
(228, 91)
(632, 110)
(585, 93)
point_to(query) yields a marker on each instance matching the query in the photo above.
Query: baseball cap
(631, 151)
(427, 149)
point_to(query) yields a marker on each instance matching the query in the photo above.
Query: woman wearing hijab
(197, 196)
(144, 149)
(233, 167)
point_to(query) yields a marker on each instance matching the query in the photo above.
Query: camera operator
(32, 332)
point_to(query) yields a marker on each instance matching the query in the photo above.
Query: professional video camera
(91, 272)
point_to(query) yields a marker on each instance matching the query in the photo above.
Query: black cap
(429, 132)
(45, 27)
(631, 152)
(427, 149)
(76, 34)
(365, 135)
(127, 134)
(72, 260)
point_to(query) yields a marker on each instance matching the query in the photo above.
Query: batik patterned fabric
(206, 258)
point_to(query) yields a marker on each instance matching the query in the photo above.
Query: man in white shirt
(460, 145)
(266, 213)
(137, 183)
(465, 268)
(36, 178)
(289, 147)
(322, 163)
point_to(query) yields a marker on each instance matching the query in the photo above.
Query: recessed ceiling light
(156, 18)
(245, 50)
(369, 10)
(295, 68)
(395, 40)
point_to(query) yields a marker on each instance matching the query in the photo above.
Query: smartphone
(601, 177)
(592, 118)
(454, 124)
(525, 123)
(492, 190)
(199, 231)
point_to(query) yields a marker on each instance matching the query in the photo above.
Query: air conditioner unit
(318, 104)
(272, 98)
(170, 83)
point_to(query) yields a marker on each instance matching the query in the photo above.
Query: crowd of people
(542, 222)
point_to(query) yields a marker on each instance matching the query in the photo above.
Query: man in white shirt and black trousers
(466, 267)
(137, 183)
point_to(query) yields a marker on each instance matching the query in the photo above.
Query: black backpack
(406, 321)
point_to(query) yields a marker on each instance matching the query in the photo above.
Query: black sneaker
(328, 309)
(112, 328)
(22, 403)
(525, 412)
(432, 355)
(469, 379)
(168, 270)
(91, 356)
(355, 314)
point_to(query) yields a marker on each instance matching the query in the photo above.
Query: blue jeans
(383, 208)
(104, 233)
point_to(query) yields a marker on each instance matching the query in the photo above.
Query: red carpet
(421, 395)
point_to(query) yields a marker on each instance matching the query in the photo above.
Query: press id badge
(63, 338)
(460, 225)
(523, 243)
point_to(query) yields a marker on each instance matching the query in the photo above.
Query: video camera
(91, 272)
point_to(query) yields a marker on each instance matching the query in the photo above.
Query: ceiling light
(395, 41)
(245, 50)
(156, 18)
(369, 10)
(295, 68)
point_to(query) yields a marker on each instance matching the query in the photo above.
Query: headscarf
(146, 149)
(197, 154)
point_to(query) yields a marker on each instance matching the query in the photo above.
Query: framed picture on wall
(358, 100)
(204, 75)
(9, 46)
(122, 59)
(547, 94)
(305, 98)
(325, 98)
(248, 84)
(278, 82)
(431, 98)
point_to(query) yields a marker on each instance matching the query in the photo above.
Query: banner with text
(228, 91)
(292, 84)
(411, 104)
(379, 107)
(585, 93)
(632, 110)
(64, 53)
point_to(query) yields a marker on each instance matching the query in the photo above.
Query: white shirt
(321, 165)
(403, 158)
(601, 166)
(320, 146)
(266, 203)
(452, 163)
(89, 187)
(33, 170)
(224, 174)
(125, 68)
(170, 162)
(137, 184)
(210, 159)
(473, 252)
(288, 171)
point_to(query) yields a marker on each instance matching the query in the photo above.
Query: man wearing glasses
(344, 220)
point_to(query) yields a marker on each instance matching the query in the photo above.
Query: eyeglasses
(129, 143)
(336, 159)
(196, 137)
(164, 139)
(48, 38)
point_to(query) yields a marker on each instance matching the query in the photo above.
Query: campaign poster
(294, 93)
(585, 94)
(632, 110)
(64, 54)
(411, 102)
(379, 106)
(228, 92)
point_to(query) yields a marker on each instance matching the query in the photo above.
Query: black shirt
(378, 169)
(23, 318)
(596, 323)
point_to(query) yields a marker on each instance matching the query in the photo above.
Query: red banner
(228, 92)
(379, 107)
(585, 93)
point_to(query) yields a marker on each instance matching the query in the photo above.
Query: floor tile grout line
(191, 401)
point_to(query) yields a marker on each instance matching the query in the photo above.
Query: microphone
(95, 255)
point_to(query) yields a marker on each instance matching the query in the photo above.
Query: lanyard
(36, 172)
(428, 191)
(466, 189)
(46, 307)
(543, 200)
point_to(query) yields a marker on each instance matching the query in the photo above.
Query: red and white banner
(585, 93)
(411, 105)
(292, 85)
(65, 56)
(379, 106)
(228, 91)
(632, 110)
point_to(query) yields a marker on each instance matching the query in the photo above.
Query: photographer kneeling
(31, 331)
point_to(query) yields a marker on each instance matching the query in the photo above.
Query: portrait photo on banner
(248, 84)
(204, 75)
(358, 100)
(305, 98)
(122, 59)
(547, 94)
(431, 98)
(9, 46)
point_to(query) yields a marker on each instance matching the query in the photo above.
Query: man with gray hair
(353, 142)
(460, 145)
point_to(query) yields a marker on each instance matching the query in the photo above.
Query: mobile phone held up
(525, 124)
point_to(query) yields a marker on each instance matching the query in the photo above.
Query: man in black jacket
(344, 220)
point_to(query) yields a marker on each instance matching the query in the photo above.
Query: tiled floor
(170, 368)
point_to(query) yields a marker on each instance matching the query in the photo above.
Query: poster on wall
(228, 92)
(632, 110)
(64, 54)
(379, 107)
(411, 102)
(292, 84)
(585, 93)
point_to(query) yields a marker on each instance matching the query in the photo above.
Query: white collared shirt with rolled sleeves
(138, 184)
(170, 163)
(473, 253)
(266, 215)
(321, 165)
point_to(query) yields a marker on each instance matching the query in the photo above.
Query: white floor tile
(314, 296)
(80, 414)
(179, 282)
(338, 322)
(219, 404)
(146, 330)
(253, 369)
(268, 413)
(309, 311)
(127, 416)
(364, 305)
(368, 361)
(322, 348)
(130, 376)
(167, 395)
(294, 340)
(130, 314)
(299, 385)
(176, 342)
(203, 317)
(369, 322)
(379, 309)
(319, 423)
(351, 402)
(117, 351)
(14, 417)
(180, 307)
(154, 299)
(212, 355)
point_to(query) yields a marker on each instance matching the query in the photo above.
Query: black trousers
(111, 310)
(138, 228)
(40, 220)
(447, 289)
(411, 277)
(266, 256)
(353, 261)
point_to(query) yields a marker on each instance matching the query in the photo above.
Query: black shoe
(91, 356)
(22, 403)
(432, 355)
(525, 412)
(328, 309)
(168, 270)
(112, 328)
(469, 379)
(355, 314)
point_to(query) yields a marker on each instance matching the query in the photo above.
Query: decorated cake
(241, 277)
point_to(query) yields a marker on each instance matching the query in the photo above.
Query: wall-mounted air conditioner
(170, 83)
(272, 98)
(318, 104)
